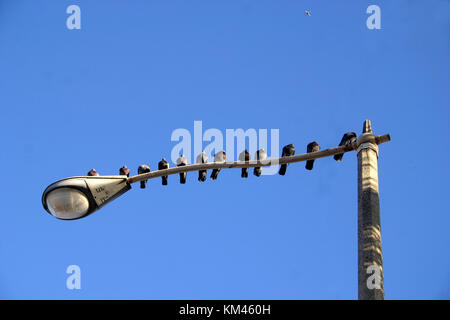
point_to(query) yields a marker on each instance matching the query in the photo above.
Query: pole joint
(368, 145)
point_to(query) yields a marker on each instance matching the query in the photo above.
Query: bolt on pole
(370, 259)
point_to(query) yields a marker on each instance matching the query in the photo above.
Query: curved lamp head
(77, 197)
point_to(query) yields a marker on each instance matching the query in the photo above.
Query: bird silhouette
(163, 164)
(143, 168)
(312, 147)
(124, 171)
(260, 156)
(346, 140)
(244, 156)
(182, 161)
(202, 158)
(92, 173)
(218, 157)
(308, 13)
(288, 150)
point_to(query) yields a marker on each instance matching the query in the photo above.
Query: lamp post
(370, 259)
(77, 197)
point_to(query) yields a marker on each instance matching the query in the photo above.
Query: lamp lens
(67, 203)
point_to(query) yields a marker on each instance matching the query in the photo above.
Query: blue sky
(112, 93)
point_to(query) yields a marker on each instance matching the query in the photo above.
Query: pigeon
(92, 173)
(218, 157)
(308, 13)
(202, 158)
(182, 161)
(288, 150)
(244, 156)
(346, 140)
(312, 147)
(124, 171)
(143, 168)
(260, 155)
(163, 164)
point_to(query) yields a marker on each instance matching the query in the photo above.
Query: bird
(288, 150)
(92, 173)
(182, 161)
(143, 168)
(218, 157)
(244, 156)
(308, 13)
(202, 158)
(312, 147)
(346, 140)
(124, 171)
(163, 164)
(260, 156)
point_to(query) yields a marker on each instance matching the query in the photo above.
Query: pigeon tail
(338, 157)
(142, 184)
(202, 175)
(164, 180)
(244, 173)
(257, 171)
(309, 164)
(214, 174)
(183, 177)
(282, 169)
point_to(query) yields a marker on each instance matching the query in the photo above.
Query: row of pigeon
(220, 156)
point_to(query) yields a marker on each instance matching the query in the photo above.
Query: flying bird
(143, 168)
(218, 157)
(260, 156)
(202, 158)
(312, 147)
(163, 164)
(182, 161)
(244, 156)
(92, 173)
(308, 13)
(346, 140)
(288, 150)
(124, 171)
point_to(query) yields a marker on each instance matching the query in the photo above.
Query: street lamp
(77, 197)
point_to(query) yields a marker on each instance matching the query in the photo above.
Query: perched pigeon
(143, 168)
(346, 140)
(308, 13)
(163, 164)
(124, 171)
(202, 158)
(92, 173)
(244, 156)
(312, 147)
(182, 161)
(288, 150)
(260, 156)
(218, 157)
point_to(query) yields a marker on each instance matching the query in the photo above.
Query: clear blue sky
(112, 93)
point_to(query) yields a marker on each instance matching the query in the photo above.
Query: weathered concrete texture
(370, 259)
